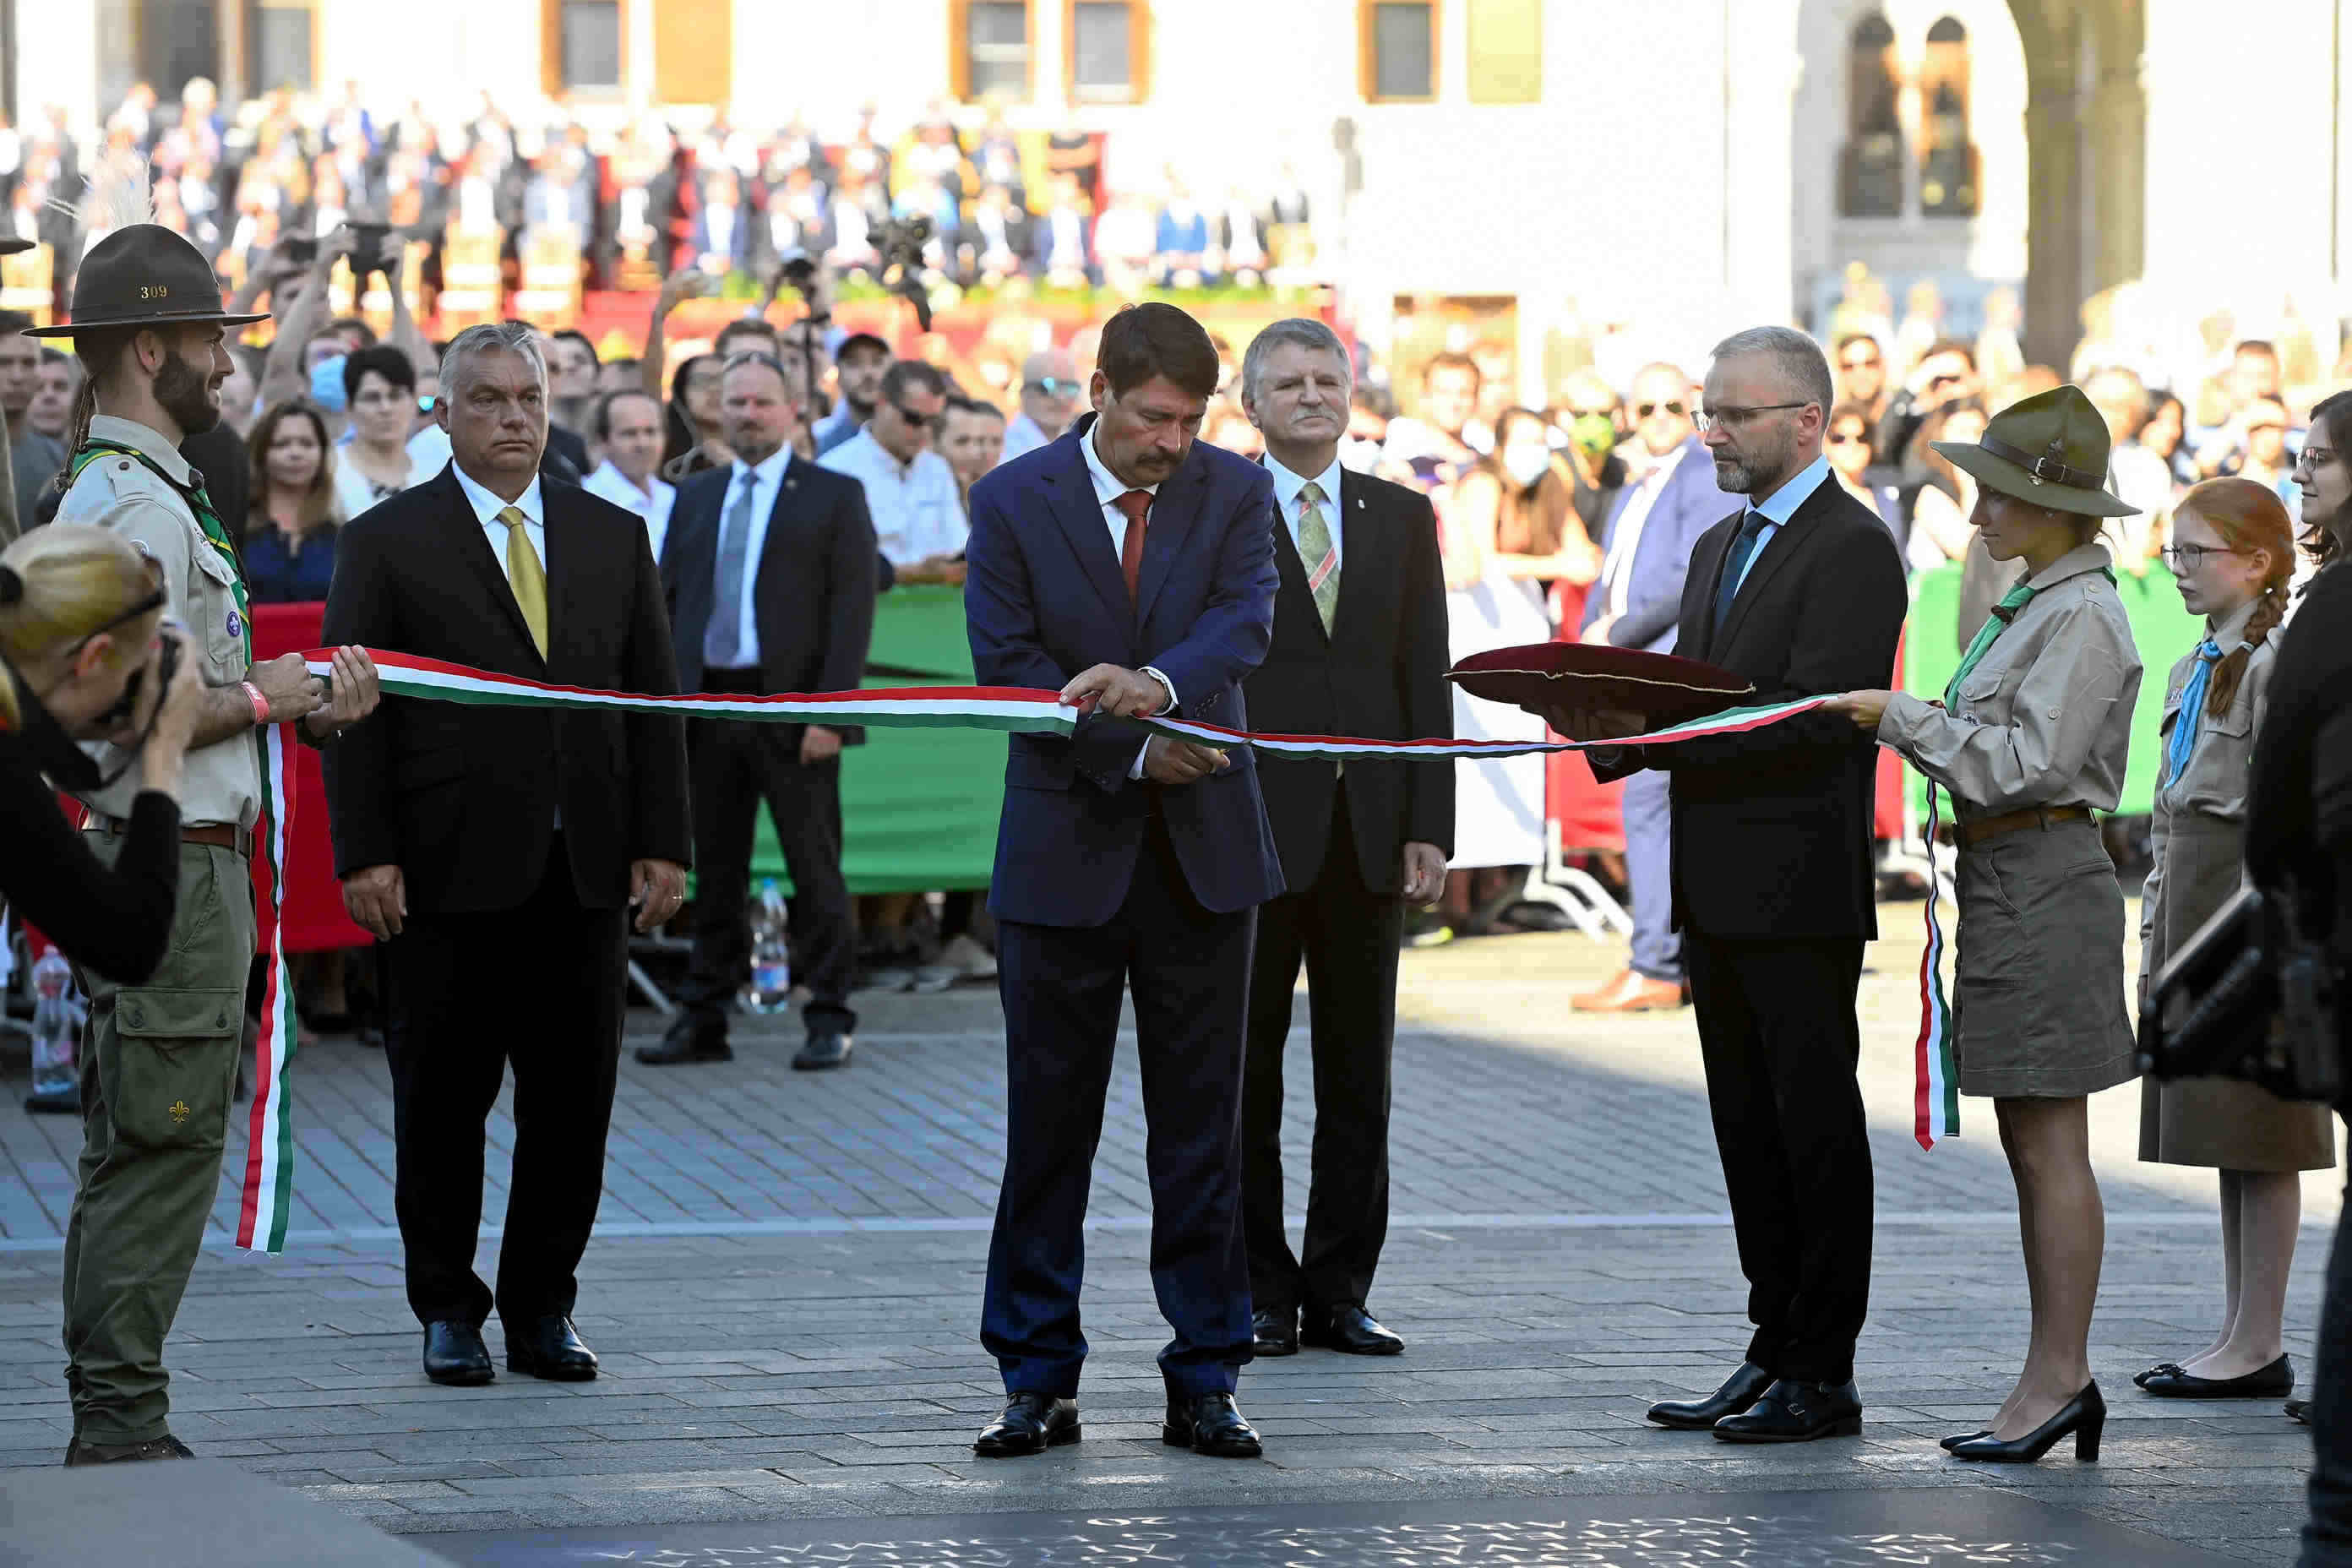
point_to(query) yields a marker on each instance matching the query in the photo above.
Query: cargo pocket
(176, 1064)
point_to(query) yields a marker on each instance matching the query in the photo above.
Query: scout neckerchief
(1937, 1100)
(2180, 745)
(267, 1196)
(216, 533)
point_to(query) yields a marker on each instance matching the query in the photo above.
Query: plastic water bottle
(770, 986)
(58, 1014)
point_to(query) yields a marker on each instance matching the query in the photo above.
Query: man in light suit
(1131, 568)
(1657, 523)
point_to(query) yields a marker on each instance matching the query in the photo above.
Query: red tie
(1137, 504)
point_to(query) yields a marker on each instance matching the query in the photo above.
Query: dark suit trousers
(1776, 1031)
(1061, 987)
(734, 763)
(1349, 937)
(541, 985)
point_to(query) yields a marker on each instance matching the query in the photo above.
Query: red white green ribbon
(269, 1136)
(1936, 1100)
(269, 1149)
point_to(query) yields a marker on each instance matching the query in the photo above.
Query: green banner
(919, 808)
(2161, 628)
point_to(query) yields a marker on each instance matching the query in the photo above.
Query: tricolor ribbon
(269, 1149)
(1937, 1100)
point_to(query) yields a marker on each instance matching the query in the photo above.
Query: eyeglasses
(1711, 420)
(1841, 438)
(2257, 430)
(1643, 410)
(2189, 557)
(2316, 456)
(1052, 387)
(155, 600)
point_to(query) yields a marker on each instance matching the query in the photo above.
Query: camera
(899, 242)
(2251, 996)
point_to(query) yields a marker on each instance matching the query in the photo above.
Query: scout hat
(143, 275)
(10, 245)
(2050, 449)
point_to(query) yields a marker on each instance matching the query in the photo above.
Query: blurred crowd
(997, 206)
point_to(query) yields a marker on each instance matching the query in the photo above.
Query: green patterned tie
(1320, 554)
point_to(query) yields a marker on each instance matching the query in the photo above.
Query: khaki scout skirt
(2037, 1012)
(2217, 1122)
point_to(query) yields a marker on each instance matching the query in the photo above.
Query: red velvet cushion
(1657, 686)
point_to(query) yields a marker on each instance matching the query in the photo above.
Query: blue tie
(722, 640)
(2185, 726)
(1751, 528)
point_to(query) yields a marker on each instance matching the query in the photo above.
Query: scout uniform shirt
(221, 784)
(2045, 717)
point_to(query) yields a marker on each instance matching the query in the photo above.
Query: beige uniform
(2200, 833)
(159, 1071)
(2044, 720)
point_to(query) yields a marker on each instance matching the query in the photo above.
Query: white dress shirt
(1625, 538)
(622, 491)
(916, 508)
(764, 481)
(1109, 487)
(1286, 486)
(1779, 507)
(1022, 437)
(486, 508)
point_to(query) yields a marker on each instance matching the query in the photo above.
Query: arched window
(1947, 160)
(1870, 181)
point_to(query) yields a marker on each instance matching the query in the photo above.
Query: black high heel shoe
(1957, 1439)
(2085, 1415)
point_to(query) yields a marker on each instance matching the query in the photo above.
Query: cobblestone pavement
(786, 1295)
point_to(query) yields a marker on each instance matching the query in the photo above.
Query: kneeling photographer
(85, 655)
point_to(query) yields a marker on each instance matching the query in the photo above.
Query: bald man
(1049, 395)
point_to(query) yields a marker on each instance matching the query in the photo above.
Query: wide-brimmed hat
(10, 245)
(2050, 449)
(143, 275)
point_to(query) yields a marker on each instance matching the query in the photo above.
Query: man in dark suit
(1800, 593)
(493, 850)
(771, 575)
(1656, 524)
(1358, 648)
(1131, 568)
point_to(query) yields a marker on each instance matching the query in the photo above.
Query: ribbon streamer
(1937, 1100)
(269, 1149)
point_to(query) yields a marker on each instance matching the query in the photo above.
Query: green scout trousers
(158, 1073)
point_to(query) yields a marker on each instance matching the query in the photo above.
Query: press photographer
(85, 655)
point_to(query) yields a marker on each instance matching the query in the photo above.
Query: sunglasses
(1052, 387)
(921, 421)
(1643, 410)
(1840, 439)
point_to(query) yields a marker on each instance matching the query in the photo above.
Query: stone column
(2055, 220)
(2118, 135)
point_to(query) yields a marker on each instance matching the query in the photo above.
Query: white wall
(57, 59)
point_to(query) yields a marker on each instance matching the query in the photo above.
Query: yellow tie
(527, 576)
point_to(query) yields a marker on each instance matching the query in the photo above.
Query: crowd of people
(999, 206)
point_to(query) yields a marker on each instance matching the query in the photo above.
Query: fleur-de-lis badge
(179, 1110)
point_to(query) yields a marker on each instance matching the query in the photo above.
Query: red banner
(313, 916)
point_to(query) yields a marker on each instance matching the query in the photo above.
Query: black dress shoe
(2299, 1412)
(2085, 1415)
(455, 1355)
(1794, 1411)
(547, 1347)
(690, 1039)
(1351, 1330)
(165, 1448)
(1738, 1395)
(2139, 1379)
(827, 1049)
(1274, 1332)
(1209, 1424)
(2272, 1381)
(1032, 1422)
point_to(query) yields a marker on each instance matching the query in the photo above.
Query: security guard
(161, 1057)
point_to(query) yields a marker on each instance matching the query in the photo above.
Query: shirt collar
(2229, 633)
(1108, 486)
(1286, 485)
(871, 452)
(2091, 557)
(1781, 505)
(487, 506)
(142, 439)
(769, 469)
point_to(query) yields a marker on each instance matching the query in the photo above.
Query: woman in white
(375, 463)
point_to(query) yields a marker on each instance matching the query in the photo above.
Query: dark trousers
(1061, 987)
(1650, 870)
(1776, 1032)
(541, 985)
(1349, 937)
(734, 764)
(2327, 1534)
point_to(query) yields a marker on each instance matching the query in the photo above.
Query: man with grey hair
(1358, 648)
(1801, 594)
(495, 851)
(1049, 396)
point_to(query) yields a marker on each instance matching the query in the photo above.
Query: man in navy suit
(1132, 568)
(1657, 523)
